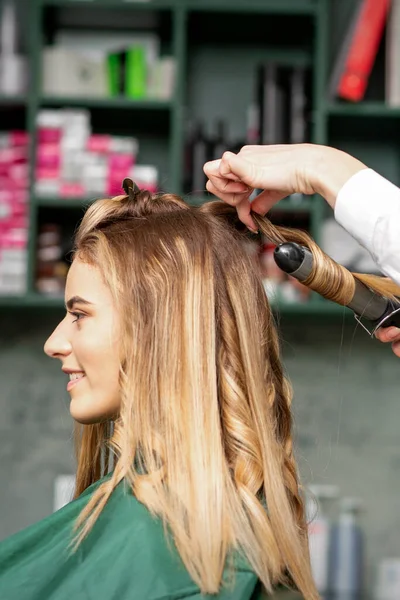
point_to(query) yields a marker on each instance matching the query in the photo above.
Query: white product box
(68, 73)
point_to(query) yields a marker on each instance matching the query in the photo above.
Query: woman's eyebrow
(76, 300)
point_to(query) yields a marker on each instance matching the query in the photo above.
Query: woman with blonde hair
(186, 482)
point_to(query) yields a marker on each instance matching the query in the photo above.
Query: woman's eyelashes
(78, 316)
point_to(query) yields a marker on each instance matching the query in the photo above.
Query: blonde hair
(327, 277)
(204, 434)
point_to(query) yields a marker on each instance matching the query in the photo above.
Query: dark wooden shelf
(111, 103)
(271, 6)
(364, 109)
(63, 203)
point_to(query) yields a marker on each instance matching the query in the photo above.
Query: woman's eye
(78, 316)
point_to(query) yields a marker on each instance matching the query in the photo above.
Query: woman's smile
(74, 379)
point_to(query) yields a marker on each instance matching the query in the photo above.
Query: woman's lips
(73, 382)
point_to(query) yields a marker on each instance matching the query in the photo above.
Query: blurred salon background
(92, 91)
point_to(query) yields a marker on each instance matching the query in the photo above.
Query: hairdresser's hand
(392, 335)
(279, 170)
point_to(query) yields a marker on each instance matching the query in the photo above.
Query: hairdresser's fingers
(396, 348)
(224, 187)
(243, 210)
(212, 170)
(240, 201)
(266, 200)
(230, 194)
(388, 334)
(233, 165)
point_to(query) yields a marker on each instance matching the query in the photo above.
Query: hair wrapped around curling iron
(327, 278)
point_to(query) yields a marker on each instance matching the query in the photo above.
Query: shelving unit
(108, 103)
(364, 109)
(62, 203)
(236, 34)
(13, 101)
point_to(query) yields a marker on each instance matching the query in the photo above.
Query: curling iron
(297, 261)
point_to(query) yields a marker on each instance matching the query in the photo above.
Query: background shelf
(6, 101)
(108, 103)
(232, 36)
(364, 109)
(63, 203)
(271, 6)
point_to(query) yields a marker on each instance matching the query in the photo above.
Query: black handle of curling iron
(297, 261)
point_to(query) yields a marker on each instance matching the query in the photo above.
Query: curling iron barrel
(297, 261)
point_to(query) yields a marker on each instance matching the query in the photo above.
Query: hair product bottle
(346, 568)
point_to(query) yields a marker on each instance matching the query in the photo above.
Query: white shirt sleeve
(368, 207)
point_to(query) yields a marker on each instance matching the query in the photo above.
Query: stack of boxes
(14, 184)
(72, 162)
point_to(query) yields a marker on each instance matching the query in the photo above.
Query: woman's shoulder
(127, 554)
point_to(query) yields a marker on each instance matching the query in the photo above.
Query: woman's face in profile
(86, 342)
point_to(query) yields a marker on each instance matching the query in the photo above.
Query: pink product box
(11, 241)
(99, 143)
(10, 195)
(17, 223)
(14, 177)
(120, 162)
(13, 203)
(49, 135)
(12, 185)
(47, 173)
(19, 175)
(9, 156)
(57, 188)
(13, 237)
(72, 190)
(19, 138)
(113, 187)
(10, 216)
(48, 156)
(105, 144)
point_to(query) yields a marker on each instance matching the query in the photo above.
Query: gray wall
(346, 406)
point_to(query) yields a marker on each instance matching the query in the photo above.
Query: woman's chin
(87, 412)
(85, 419)
(84, 414)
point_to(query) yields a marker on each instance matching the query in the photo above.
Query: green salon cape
(125, 557)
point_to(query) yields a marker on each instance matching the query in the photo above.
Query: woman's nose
(58, 345)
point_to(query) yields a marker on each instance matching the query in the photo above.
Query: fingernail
(252, 230)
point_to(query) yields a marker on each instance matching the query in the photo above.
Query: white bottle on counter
(319, 531)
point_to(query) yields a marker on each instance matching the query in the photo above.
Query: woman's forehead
(85, 280)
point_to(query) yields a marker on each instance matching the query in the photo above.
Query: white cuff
(365, 199)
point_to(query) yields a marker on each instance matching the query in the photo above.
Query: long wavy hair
(204, 433)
